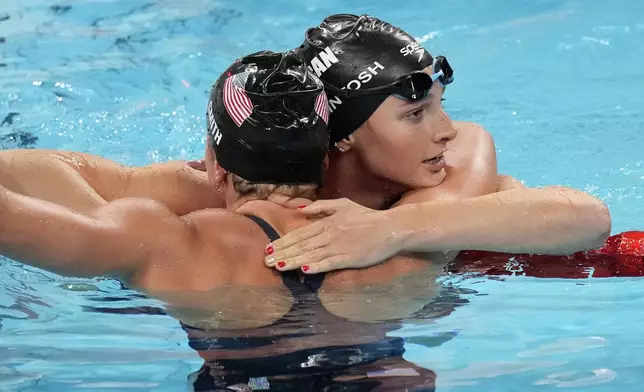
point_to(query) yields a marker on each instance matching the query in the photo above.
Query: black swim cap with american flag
(267, 118)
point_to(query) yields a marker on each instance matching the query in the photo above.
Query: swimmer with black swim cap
(267, 124)
(385, 95)
(391, 134)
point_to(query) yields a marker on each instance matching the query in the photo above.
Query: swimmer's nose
(446, 131)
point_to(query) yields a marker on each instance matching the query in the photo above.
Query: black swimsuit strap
(290, 278)
(271, 233)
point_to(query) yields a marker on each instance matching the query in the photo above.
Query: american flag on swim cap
(322, 107)
(237, 103)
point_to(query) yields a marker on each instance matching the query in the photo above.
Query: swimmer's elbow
(602, 223)
(593, 216)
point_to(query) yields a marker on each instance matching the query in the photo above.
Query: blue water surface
(556, 82)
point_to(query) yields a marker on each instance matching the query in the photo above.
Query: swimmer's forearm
(44, 175)
(85, 181)
(552, 220)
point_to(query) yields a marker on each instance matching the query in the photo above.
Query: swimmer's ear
(219, 173)
(345, 144)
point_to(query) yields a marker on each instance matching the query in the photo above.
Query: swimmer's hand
(349, 236)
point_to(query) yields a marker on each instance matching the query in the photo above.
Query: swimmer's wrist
(413, 230)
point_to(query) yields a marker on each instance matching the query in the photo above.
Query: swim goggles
(414, 86)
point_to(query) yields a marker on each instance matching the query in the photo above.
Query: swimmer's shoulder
(228, 230)
(471, 133)
(472, 160)
(230, 243)
(221, 273)
(198, 251)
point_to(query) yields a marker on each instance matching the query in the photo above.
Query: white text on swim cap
(212, 125)
(364, 77)
(412, 48)
(323, 61)
(334, 102)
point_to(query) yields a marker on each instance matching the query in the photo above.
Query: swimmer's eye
(416, 114)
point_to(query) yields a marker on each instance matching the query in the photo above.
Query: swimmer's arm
(84, 181)
(47, 175)
(552, 220)
(503, 183)
(117, 239)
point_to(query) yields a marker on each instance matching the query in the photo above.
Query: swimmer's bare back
(84, 181)
(152, 249)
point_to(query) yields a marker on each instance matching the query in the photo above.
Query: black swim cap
(359, 52)
(267, 118)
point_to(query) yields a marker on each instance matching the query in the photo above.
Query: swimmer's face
(404, 141)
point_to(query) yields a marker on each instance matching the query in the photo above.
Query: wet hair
(263, 191)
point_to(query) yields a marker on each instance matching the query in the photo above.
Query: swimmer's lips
(435, 164)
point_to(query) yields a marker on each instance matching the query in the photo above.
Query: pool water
(557, 83)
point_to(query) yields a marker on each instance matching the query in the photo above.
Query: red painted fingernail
(269, 250)
(281, 264)
(305, 268)
(301, 206)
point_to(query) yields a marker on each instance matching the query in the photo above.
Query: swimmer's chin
(435, 179)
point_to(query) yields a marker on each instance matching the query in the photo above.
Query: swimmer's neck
(278, 210)
(346, 177)
(244, 204)
(275, 203)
